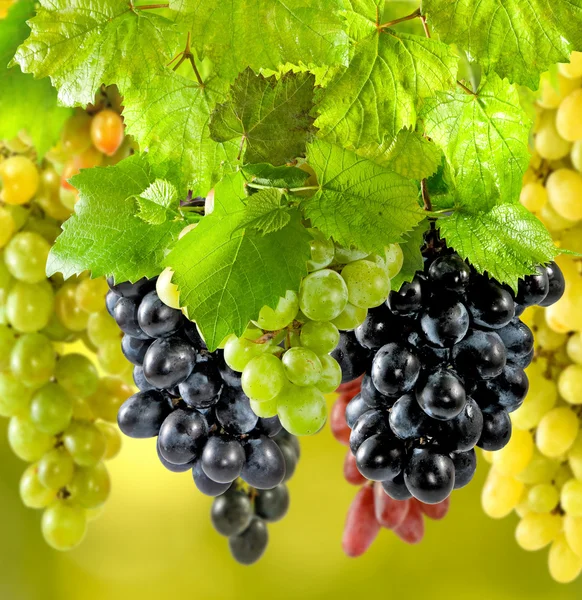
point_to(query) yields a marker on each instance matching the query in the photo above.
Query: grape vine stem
(409, 17)
(152, 6)
(425, 195)
(187, 54)
(258, 186)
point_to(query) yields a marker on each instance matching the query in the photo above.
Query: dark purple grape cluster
(193, 402)
(444, 362)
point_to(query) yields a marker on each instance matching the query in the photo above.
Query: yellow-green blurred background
(155, 541)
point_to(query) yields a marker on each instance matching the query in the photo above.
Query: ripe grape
(107, 131)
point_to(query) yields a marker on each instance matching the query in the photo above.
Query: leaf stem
(187, 54)
(152, 6)
(466, 89)
(425, 195)
(425, 26)
(409, 17)
(258, 186)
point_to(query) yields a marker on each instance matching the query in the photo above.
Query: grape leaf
(485, 139)
(413, 261)
(378, 94)
(359, 203)
(519, 39)
(226, 274)
(408, 154)
(507, 241)
(155, 203)
(106, 235)
(25, 102)
(270, 116)
(264, 34)
(266, 211)
(82, 45)
(169, 115)
(280, 177)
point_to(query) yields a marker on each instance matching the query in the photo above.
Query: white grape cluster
(285, 354)
(539, 473)
(61, 412)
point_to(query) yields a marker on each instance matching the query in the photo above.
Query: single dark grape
(378, 329)
(170, 466)
(518, 339)
(496, 429)
(445, 323)
(229, 376)
(372, 397)
(234, 412)
(465, 466)
(190, 333)
(290, 456)
(111, 299)
(507, 390)
(355, 409)
(231, 513)
(134, 349)
(481, 355)
(156, 318)
(429, 356)
(264, 467)
(490, 305)
(352, 358)
(395, 369)
(125, 315)
(168, 362)
(270, 426)
(450, 272)
(142, 415)
(182, 436)
(203, 386)
(461, 433)
(407, 301)
(557, 284)
(247, 547)
(396, 488)
(272, 505)
(140, 381)
(408, 421)
(429, 475)
(442, 396)
(523, 361)
(222, 459)
(207, 486)
(135, 290)
(293, 440)
(533, 289)
(369, 424)
(380, 457)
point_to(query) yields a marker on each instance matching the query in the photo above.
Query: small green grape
(85, 442)
(32, 492)
(56, 468)
(281, 316)
(302, 410)
(320, 336)
(263, 378)
(7, 341)
(112, 437)
(239, 351)
(102, 328)
(368, 283)
(33, 359)
(302, 366)
(351, 317)
(14, 396)
(91, 486)
(331, 374)
(394, 259)
(265, 410)
(51, 409)
(70, 314)
(77, 374)
(322, 251)
(347, 255)
(323, 295)
(29, 306)
(63, 526)
(26, 441)
(26, 255)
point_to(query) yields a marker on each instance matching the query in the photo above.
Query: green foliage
(25, 102)
(519, 39)
(226, 273)
(278, 177)
(267, 211)
(270, 117)
(110, 234)
(359, 203)
(413, 261)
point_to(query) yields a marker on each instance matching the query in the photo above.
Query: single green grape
(7, 341)
(302, 366)
(281, 316)
(368, 283)
(347, 255)
(26, 441)
(33, 359)
(323, 295)
(77, 374)
(85, 442)
(51, 409)
(166, 290)
(320, 336)
(263, 378)
(351, 317)
(302, 410)
(32, 492)
(57, 332)
(542, 498)
(14, 396)
(571, 498)
(56, 468)
(322, 251)
(91, 486)
(112, 438)
(63, 526)
(102, 328)
(331, 374)
(111, 357)
(394, 259)
(540, 469)
(265, 410)
(7, 226)
(6, 280)
(29, 306)
(91, 294)
(47, 228)
(26, 255)
(239, 351)
(70, 314)
(111, 393)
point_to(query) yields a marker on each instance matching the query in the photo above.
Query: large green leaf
(169, 115)
(270, 117)
(389, 73)
(81, 45)
(359, 203)
(413, 261)
(485, 139)
(226, 274)
(506, 241)
(265, 34)
(519, 39)
(25, 102)
(109, 234)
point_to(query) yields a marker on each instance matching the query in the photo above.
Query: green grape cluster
(285, 354)
(61, 412)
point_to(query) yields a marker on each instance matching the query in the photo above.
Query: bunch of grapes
(539, 473)
(286, 355)
(194, 403)
(446, 367)
(372, 508)
(60, 410)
